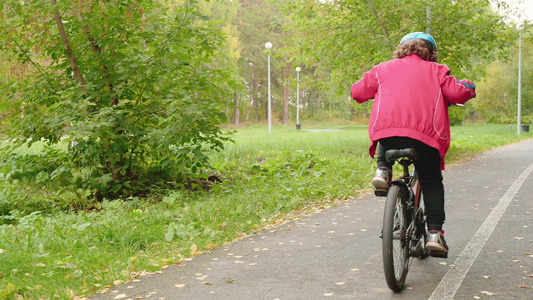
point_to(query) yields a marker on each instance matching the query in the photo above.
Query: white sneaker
(437, 244)
(382, 179)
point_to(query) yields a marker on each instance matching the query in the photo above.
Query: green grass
(263, 179)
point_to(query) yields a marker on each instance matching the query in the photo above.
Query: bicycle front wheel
(395, 245)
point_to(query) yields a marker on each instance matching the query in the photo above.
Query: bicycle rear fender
(402, 184)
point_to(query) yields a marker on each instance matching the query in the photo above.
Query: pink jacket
(411, 98)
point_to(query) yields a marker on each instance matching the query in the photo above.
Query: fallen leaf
(477, 297)
(340, 283)
(121, 296)
(518, 238)
(488, 293)
(443, 263)
(194, 249)
(179, 286)
(522, 286)
(328, 294)
(516, 260)
(487, 276)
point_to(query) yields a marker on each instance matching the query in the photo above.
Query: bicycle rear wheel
(395, 244)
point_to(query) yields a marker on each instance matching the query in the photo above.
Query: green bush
(144, 107)
(457, 115)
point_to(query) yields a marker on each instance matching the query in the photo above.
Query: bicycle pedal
(380, 192)
(437, 253)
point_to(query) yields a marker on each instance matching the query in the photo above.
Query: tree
(258, 22)
(132, 85)
(498, 92)
(346, 38)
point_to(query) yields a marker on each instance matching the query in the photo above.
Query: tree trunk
(70, 54)
(285, 98)
(236, 110)
(255, 101)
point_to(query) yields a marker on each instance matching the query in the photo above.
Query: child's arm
(457, 91)
(365, 89)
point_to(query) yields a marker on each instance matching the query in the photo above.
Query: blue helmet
(430, 41)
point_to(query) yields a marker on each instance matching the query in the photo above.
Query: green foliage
(498, 93)
(457, 115)
(147, 99)
(347, 38)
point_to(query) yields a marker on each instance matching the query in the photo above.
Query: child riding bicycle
(411, 95)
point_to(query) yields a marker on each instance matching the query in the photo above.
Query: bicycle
(404, 228)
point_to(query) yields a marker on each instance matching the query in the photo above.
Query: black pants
(429, 174)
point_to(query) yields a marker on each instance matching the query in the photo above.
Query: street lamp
(268, 46)
(298, 125)
(519, 110)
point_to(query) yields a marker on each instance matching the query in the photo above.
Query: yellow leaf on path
(488, 293)
(121, 296)
(179, 286)
(328, 294)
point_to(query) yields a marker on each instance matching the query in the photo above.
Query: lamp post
(268, 46)
(519, 108)
(298, 125)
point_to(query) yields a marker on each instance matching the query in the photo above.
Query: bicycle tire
(395, 245)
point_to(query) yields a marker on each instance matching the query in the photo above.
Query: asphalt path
(335, 253)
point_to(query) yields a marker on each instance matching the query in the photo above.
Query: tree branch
(99, 52)
(37, 66)
(66, 44)
(376, 14)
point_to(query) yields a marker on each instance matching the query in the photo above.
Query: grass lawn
(261, 179)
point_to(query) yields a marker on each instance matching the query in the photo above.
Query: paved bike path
(336, 253)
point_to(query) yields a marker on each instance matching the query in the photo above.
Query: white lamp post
(298, 125)
(268, 46)
(519, 109)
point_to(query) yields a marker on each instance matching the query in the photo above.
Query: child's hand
(468, 84)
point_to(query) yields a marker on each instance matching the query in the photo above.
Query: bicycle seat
(394, 154)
